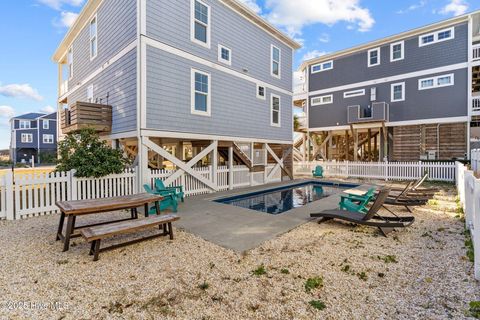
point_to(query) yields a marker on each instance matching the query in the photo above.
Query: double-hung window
(45, 124)
(200, 32)
(201, 94)
(48, 138)
(397, 51)
(374, 57)
(437, 36)
(398, 92)
(93, 38)
(27, 138)
(24, 124)
(275, 111)
(436, 82)
(276, 63)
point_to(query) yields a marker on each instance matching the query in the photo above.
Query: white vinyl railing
(437, 171)
(476, 52)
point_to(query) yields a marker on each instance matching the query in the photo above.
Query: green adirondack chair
(177, 190)
(318, 172)
(169, 200)
(355, 203)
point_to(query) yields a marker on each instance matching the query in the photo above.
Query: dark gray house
(33, 134)
(410, 96)
(171, 81)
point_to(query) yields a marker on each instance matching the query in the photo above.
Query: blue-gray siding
(117, 28)
(354, 68)
(235, 109)
(119, 82)
(169, 22)
(419, 104)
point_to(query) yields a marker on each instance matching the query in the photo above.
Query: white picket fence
(437, 171)
(36, 194)
(468, 187)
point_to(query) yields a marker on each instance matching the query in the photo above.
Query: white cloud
(6, 112)
(413, 7)
(252, 5)
(295, 15)
(455, 7)
(67, 19)
(313, 54)
(48, 109)
(57, 4)
(324, 38)
(20, 91)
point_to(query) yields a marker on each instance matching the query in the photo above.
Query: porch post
(143, 171)
(214, 164)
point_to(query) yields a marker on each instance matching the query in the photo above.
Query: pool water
(279, 200)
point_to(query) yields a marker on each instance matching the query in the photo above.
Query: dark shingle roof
(30, 116)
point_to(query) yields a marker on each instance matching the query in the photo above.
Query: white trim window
(445, 80)
(201, 96)
(90, 93)
(397, 51)
(436, 37)
(318, 101)
(200, 28)
(320, 67)
(27, 138)
(275, 110)
(261, 92)
(93, 38)
(45, 124)
(224, 55)
(70, 63)
(373, 57)
(354, 93)
(398, 92)
(25, 124)
(276, 56)
(48, 138)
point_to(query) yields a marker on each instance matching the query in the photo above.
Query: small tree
(90, 156)
(296, 123)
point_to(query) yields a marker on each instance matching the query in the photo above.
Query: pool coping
(241, 229)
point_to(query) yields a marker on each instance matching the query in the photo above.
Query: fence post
(385, 171)
(72, 180)
(136, 177)
(10, 196)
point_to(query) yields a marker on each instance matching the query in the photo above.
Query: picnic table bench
(73, 209)
(97, 233)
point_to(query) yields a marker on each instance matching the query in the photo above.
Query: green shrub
(474, 309)
(317, 304)
(285, 271)
(89, 156)
(48, 157)
(313, 283)
(259, 271)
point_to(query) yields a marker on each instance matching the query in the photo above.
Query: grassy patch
(474, 309)
(362, 276)
(346, 268)
(388, 258)
(313, 283)
(317, 304)
(204, 286)
(433, 202)
(285, 271)
(260, 271)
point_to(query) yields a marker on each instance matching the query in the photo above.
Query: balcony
(377, 112)
(476, 52)
(86, 115)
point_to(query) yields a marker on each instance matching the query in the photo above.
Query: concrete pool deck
(241, 229)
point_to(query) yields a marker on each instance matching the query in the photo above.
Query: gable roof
(30, 116)
(92, 5)
(396, 37)
(50, 116)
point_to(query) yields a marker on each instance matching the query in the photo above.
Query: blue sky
(33, 29)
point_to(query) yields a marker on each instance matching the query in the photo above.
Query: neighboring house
(33, 134)
(411, 96)
(181, 77)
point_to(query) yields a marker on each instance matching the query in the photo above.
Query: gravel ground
(417, 273)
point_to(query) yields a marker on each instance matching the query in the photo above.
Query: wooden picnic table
(72, 209)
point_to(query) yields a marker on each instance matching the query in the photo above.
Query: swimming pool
(282, 199)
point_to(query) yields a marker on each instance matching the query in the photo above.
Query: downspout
(438, 140)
